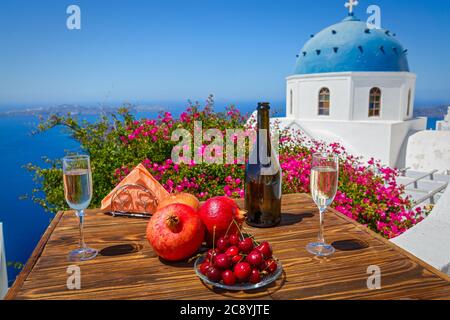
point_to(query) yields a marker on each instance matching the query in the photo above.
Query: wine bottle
(263, 177)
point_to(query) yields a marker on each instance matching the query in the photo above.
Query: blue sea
(24, 222)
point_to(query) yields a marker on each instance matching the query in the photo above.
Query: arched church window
(375, 102)
(408, 112)
(324, 102)
(291, 103)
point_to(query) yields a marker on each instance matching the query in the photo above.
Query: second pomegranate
(221, 215)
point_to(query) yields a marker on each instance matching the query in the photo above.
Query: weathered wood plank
(139, 274)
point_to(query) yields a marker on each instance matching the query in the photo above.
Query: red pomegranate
(218, 214)
(175, 232)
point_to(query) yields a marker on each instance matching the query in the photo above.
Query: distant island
(431, 112)
(78, 110)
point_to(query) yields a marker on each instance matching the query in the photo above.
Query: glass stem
(80, 215)
(321, 237)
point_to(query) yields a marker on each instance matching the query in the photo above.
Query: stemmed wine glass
(324, 184)
(78, 194)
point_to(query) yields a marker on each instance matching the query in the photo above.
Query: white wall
(381, 140)
(401, 132)
(429, 150)
(384, 137)
(306, 95)
(394, 94)
(349, 95)
(430, 239)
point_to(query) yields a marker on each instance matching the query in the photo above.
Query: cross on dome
(351, 4)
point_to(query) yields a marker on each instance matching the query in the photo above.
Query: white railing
(422, 177)
(3, 274)
(430, 195)
(423, 187)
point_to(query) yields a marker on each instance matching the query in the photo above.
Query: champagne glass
(324, 184)
(78, 194)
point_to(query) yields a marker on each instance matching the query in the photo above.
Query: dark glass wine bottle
(263, 177)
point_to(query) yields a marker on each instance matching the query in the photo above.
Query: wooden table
(128, 269)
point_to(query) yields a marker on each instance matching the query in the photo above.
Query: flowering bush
(368, 194)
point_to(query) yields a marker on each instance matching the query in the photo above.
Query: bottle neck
(263, 135)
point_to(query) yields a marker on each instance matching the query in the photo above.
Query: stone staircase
(425, 188)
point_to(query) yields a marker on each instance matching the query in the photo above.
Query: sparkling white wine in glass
(324, 184)
(78, 193)
(78, 188)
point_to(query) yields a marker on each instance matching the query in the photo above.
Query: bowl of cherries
(238, 263)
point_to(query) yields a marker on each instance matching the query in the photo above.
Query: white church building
(352, 84)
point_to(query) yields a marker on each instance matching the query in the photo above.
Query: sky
(142, 51)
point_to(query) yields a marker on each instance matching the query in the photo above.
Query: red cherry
(214, 274)
(232, 251)
(223, 244)
(271, 266)
(246, 245)
(242, 271)
(255, 258)
(229, 278)
(236, 259)
(234, 240)
(222, 261)
(255, 276)
(266, 249)
(204, 267)
(262, 266)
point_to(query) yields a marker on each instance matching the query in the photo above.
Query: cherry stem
(251, 237)
(229, 228)
(239, 228)
(214, 238)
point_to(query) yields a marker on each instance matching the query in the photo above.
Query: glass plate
(238, 287)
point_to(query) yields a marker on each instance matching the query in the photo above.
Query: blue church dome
(350, 46)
